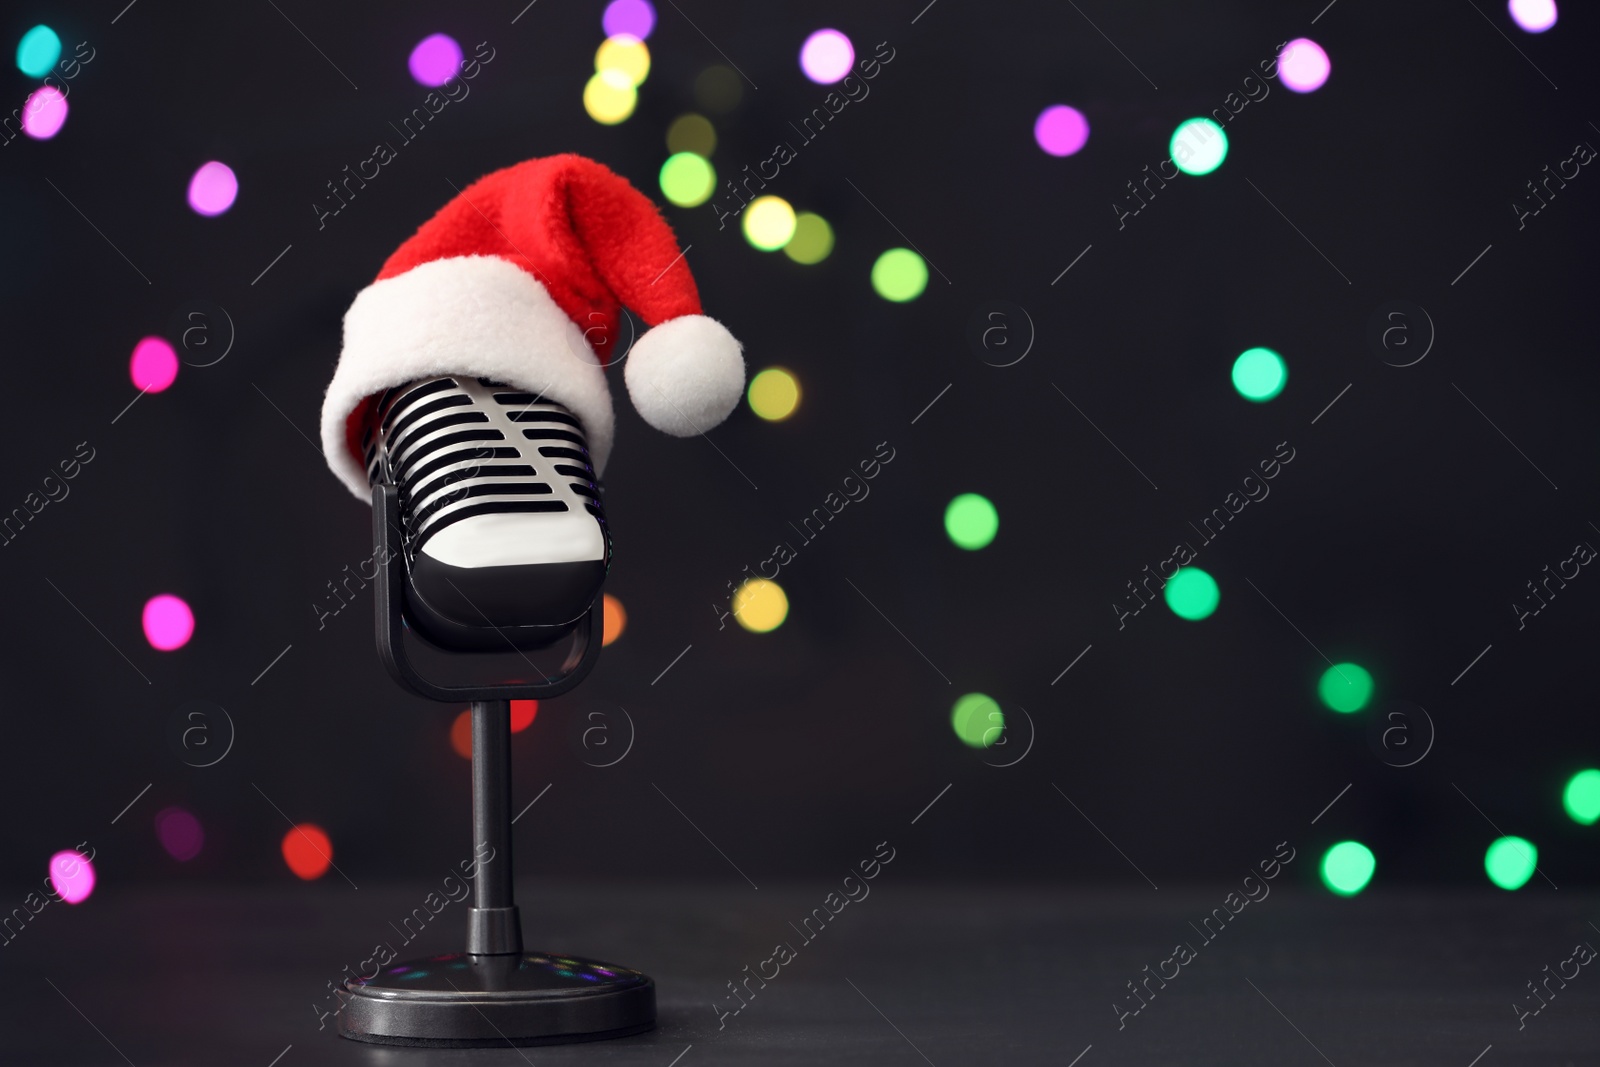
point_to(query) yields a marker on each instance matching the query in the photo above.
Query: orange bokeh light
(522, 713)
(613, 619)
(461, 735)
(308, 851)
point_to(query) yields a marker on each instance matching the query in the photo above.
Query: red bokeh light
(308, 851)
(522, 713)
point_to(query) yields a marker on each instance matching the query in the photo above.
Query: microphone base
(459, 1000)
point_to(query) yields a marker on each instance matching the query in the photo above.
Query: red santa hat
(521, 278)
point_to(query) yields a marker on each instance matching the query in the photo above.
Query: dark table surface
(909, 974)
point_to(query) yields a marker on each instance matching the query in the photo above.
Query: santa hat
(521, 279)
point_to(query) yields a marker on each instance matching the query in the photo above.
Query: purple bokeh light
(71, 876)
(43, 113)
(1061, 130)
(213, 189)
(179, 833)
(634, 17)
(827, 56)
(1303, 65)
(435, 60)
(1534, 16)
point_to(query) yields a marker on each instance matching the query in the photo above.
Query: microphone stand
(494, 993)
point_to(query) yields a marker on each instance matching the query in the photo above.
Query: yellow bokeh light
(812, 241)
(759, 605)
(774, 394)
(626, 54)
(692, 133)
(610, 97)
(769, 223)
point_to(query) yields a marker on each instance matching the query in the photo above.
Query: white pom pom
(686, 375)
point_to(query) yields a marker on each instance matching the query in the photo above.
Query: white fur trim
(477, 315)
(686, 375)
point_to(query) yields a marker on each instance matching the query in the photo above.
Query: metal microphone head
(505, 535)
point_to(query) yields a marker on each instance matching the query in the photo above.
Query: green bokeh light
(1198, 146)
(971, 521)
(38, 51)
(687, 179)
(1582, 797)
(977, 720)
(1192, 593)
(1510, 862)
(1347, 867)
(812, 240)
(900, 275)
(1259, 374)
(1345, 687)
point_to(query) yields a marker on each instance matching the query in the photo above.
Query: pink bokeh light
(71, 876)
(154, 365)
(827, 56)
(1303, 65)
(44, 112)
(179, 833)
(168, 622)
(1061, 130)
(435, 60)
(213, 189)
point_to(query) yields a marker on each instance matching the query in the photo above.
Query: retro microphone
(470, 406)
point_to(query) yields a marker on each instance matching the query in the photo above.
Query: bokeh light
(1510, 862)
(625, 54)
(1347, 867)
(154, 365)
(1535, 16)
(774, 394)
(899, 275)
(1259, 374)
(461, 734)
(1061, 130)
(812, 240)
(71, 876)
(44, 113)
(635, 17)
(760, 605)
(718, 90)
(971, 521)
(688, 179)
(692, 133)
(827, 56)
(1198, 146)
(1581, 798)
(308, 851)
(1345, 687)
(610, 97)
(38, 51)
(179, 833)
(435, 60)
(977, 720)
(1192, 593)
(168, 622)
(768, 223)
(613, 619)
(523, 712)
(213, 189)
(1303, 65)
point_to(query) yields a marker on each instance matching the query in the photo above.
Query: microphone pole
(493, 926)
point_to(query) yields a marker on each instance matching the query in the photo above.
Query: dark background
(1397, 538)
